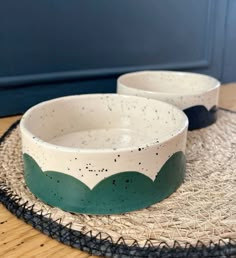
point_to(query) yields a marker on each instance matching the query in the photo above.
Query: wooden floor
(18, 239)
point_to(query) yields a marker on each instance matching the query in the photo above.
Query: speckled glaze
(79, 147)
(196, 94)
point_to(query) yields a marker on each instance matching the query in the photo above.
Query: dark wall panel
(51, 48)
(229, 62)
(17, 100)
(52, 36)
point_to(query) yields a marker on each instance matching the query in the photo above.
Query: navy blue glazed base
(200, 117)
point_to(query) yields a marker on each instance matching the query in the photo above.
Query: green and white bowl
(103, 153)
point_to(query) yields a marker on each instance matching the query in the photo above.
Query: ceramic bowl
(103, 153)
(196, 94)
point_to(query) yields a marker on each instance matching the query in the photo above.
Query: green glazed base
(122, 192)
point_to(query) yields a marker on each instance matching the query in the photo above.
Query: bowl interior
(169, 82)
(98, 121)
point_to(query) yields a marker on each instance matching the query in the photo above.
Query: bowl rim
(163, 93)
(42, 143)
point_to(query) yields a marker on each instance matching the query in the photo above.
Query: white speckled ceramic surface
(191, 92)
(81, 146)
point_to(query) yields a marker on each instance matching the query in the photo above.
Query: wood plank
(17, 239)
(6, 122)
(228, 96)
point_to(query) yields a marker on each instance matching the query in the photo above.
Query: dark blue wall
(229, 59)
(55, 48)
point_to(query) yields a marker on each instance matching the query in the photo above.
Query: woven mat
(200, 215)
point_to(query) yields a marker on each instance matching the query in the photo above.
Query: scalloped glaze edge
(199, 116)
(119, 193)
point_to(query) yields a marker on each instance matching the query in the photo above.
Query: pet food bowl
(103, 153)
(196, 94)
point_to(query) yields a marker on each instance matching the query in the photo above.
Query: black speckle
(126, 187)
(58, 181)
(2, 222)
(86, 167)
(127, 180)
(96, 174)
(114, 160)
(113, 181)
(139, 149)
(157, 153)
(68, 168)
(106, 170)
(82, 175)
(118, 155)
(42, 245)
(3, 232)
(139, 163)
(75, 158)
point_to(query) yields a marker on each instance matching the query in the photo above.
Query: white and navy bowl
(103, 154)
(196, 94)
